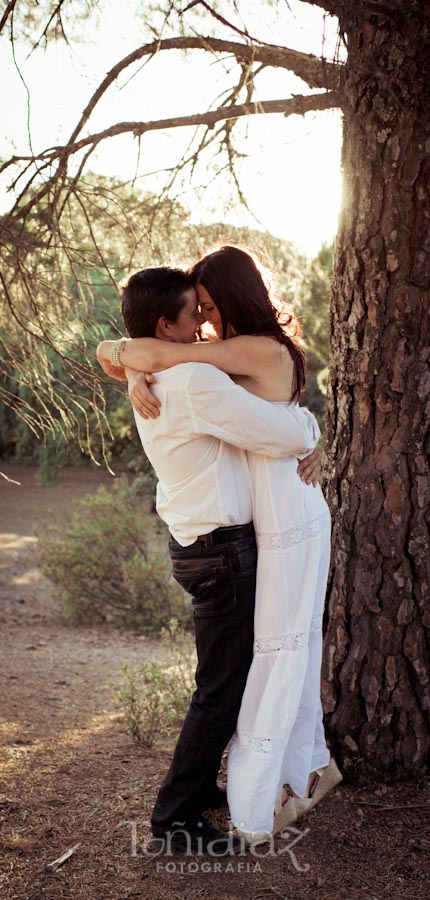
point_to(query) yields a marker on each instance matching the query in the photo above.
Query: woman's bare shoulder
(261, 343)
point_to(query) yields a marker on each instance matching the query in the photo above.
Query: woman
(279, 738)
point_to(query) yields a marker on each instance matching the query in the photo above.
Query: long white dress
(280, 737)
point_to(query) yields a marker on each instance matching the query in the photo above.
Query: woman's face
(210, 313)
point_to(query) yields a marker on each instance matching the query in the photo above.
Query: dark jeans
(221, 581)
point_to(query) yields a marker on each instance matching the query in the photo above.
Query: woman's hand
(104, 351)
(140, 394)
(308, 469)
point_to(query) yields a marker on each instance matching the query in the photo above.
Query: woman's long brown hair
(235, 281)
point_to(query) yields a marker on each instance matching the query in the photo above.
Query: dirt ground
(71, 775)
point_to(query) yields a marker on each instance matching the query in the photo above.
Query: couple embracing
(223, 430)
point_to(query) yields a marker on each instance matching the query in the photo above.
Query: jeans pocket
(200, 578)
(245, 562)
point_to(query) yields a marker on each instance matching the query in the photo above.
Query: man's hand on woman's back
(309, 468)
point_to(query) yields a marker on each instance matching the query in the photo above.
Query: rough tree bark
(376, 666)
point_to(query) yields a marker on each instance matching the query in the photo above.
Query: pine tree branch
(318, 73)
(9, 9)
(386, 8)
(333, 7)
(299, 105)
(56, 12)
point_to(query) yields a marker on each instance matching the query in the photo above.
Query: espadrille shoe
(319, 784)
(285, 813)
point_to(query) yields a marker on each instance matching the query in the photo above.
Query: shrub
(156, 696)
(110, 562)
(51, 457)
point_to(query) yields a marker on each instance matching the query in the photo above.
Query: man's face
(184, 330)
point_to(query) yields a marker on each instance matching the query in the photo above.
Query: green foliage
(154, 696)
(313, 302)
(313, 306)
(313, 396)
(52, 391)
(110, 561)
(51, 459)
(51, 381)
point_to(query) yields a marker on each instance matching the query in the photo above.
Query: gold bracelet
(117, 348)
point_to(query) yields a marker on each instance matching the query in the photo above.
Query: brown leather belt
(227, 533)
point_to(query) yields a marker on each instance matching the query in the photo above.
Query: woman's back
(273, 375)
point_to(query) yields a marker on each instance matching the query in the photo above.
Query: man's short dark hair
(148, 295)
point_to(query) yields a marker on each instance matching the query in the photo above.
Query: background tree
(376, 653)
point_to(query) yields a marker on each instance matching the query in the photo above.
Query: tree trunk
(376, 655)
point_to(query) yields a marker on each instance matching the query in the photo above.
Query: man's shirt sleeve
(228, 412)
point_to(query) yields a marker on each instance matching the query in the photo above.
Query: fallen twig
(56, 863)
(399, 806)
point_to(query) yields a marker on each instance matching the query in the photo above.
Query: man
(197, 447)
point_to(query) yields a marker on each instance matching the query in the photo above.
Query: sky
(290, 173)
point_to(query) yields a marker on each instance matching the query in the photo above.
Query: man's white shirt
(198, 445)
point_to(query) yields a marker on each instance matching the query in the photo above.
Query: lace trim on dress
(291, 641)
(281, 540)
(261, 744)
(281, 642)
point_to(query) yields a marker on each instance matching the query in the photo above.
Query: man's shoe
(196, 837)
(216, 798)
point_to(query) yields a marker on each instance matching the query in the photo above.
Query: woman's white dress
(280, 737)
